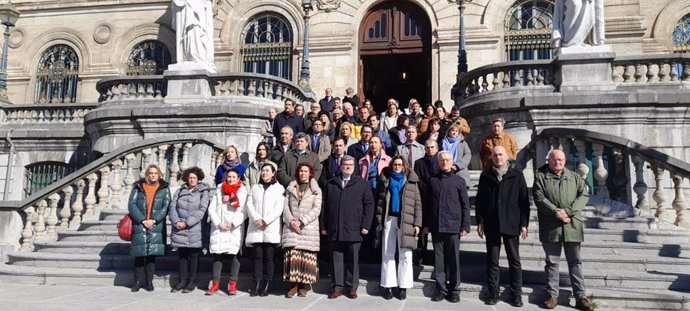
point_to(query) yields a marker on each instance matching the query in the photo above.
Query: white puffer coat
(227, 242)
(267, 204)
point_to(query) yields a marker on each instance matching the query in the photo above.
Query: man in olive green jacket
(560, 195)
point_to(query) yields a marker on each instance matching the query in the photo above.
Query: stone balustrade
(663, 69)
(107, 185)
(223, 85)
(610, 159)
(49, 113)
(508, 75)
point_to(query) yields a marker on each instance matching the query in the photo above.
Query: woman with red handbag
(148, 206)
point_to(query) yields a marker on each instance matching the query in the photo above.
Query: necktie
(315, 143)
(409, 155)
(345, 182)
(336, 169)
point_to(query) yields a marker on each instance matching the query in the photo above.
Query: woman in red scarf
(227, 214)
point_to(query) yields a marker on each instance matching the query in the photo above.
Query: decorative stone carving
(328, 5)
(102, 33)
(193, 24)
(16, 38)
(578, 23)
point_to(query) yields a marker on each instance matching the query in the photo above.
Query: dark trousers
(493, 250)
(218, 266)
(420, 252)
(345, 260)
(188, 259)
(264, 266)
(447, 262)
(144, 266)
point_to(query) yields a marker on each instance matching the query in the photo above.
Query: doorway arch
(395, 54)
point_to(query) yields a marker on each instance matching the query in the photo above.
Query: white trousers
(390, 276)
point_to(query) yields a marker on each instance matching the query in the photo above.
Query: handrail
(507, 75)
(104, 160)
(39, 113)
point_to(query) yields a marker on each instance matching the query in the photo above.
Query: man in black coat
(331, 166)
(283, 145)
(287, 167)
(346, 216)
(360, 149)
(288, 117)
(502, 212)
(425, 168)
(328, 102)
(448, 219)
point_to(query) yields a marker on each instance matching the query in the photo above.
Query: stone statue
(193, 24)
(578, 23)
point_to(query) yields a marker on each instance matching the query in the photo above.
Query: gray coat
(288, 165)
(410, 203)
(189, 207)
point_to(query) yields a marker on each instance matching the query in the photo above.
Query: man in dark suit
(327, 103)
(425, 168)
(346, 216)
(287, 168)
(360, 149)
(331, 166)
(288, 117)
(284, 144)
(502, 213)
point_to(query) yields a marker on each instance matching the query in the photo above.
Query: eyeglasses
(397, 164)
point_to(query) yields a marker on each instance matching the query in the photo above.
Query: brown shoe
(551, 302)
(583, 304)
(292, 292)
(352, 294)
(302, 291)
(335, 294)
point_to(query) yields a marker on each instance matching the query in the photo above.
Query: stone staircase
(629, 263)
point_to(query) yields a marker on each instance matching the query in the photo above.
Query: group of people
(339, 178)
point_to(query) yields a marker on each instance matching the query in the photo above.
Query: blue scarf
(396, 184)
(451, 144)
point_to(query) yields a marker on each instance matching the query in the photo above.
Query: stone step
(90, 236)
(99, 225)
(112, 214)
(650, 236)
(606, 298)
(82, 247)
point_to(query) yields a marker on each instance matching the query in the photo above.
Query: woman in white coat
(264, 207)
(227, 214)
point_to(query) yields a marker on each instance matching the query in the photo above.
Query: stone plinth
(582, 69)
(186, 82)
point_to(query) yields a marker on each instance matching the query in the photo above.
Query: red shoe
(232, 288)
(214, 288)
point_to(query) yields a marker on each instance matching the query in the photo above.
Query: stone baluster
(175, 166)
(40, 226)
(279, 92)
(674, 73)
(582, 167)
(640, 187)
(116, 185)
(616, 75)
(530, 77)
(90, 199)
(495, 82)
(516, 79)
(639, 73)
(129, 179)
(679, 203)
(214, 163)
(629, 74)
(269, 90)
(659, 195)
(651, 76)
(27, 233)
(78, 205)
(686, 71)
(565, 146)
(505, 82)
(185, 156)
(663, 73)
(600, 173)
(251, 89)
(539, 76)
(103, 191)
(52, 220)
(145, 161)
(66, 210)
(260, 88)
(485, 83)
(162, 163)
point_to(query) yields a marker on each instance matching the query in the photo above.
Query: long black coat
(449, 204)
(356, 151)
(327, 171)
(503, 207)
(346, 211)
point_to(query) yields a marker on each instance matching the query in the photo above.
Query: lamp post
(462, 50)
(8, 17)
(304, 69)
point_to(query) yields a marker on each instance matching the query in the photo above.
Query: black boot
(139, 277)
(150, 268)
(179, 286)
(386, 293)
(190, 287)
(257, 289)
(265, 288)
(135, 287)
(402, 294)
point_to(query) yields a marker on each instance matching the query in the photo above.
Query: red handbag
(125, 229)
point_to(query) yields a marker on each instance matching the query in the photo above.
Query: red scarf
(231, 190)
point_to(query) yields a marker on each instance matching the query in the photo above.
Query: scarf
(500, 171)
(396, 184)
(431, 161)
(231, 190)
(230, 164)
(451, 144)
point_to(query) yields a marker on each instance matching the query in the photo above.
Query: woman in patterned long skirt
(301, 231)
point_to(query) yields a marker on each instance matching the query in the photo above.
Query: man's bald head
(556, 159)
(499, 156)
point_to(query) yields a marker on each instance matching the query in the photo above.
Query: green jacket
(149, 242)
(568, 192)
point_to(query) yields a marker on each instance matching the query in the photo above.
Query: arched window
(267, 46)
(57, 75)
(528, 28)
(148, 58)
(681, 35)
(42, 174)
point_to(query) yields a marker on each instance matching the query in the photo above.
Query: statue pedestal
(189, 80)
(584, 68)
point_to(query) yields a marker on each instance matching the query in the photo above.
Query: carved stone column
(78, 205)
(40, 226)
(640, 187)
(90, 199)
(129, 179)
(145, 161)
(116, 185)
(679, 203)
(65, 211)
(582, 168)
(660, 194)
(103, 191)
(27, 233)
(600, 173)
(52, 219)
(162, 163)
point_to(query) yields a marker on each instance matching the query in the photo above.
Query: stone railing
(131, 87)
(611, 158)
(664, 68)
(47, 113)
(103, 184)
(508, 76)
(222, 84)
